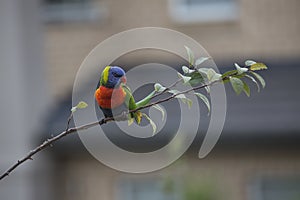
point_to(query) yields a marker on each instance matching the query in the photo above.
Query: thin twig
(68, 131)
(69, 120)
(50, 141)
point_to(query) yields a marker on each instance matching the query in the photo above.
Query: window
(145, 189)
(191, 11)
(73, 10)
(270, 188)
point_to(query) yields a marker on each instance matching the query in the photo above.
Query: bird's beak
(123, 79)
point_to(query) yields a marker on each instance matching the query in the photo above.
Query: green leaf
(185, 100)
(185, 79)
(130, 120)
(212, 75)
(159, 108)
(258, 66)
(216, 77)
(207, 88)
(185, 69)
(239, 69)
(237, 85)
(80, 105)
(246, 89)
(196, 79)
(190, 56)
(204, 72)
(204, 99)
(239, 75)
(253, 80)
(201, 60)
(229, 73)
(154, 127)
(259, 78)
(188, 101)
(249, 62)
(182, 97)
(158, 87)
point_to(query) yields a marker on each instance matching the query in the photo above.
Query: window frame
(208, 12)
(86, 10)
(259, 185)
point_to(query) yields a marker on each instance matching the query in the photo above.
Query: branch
(122, 116)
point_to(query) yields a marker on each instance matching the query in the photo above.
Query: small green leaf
(246, 89)
(204, 99)
(253, 80)
(189, 102)
(239, 69)
(185, 100)
(185, 69)
(154, 128)
(158, 87)
(203, 72)
(82, 105)
(201, 60)
(216, 77)
(258, 66)
(249, 62)
(185, 79)
(229, 73)
(237, 85)
(259, 78)
(159, 108)
(182, 97)
(207, 88)
(130, 120)
(190, 56)
(210, 74)
(196, 78)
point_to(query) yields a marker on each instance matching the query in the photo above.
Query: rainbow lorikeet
(114, 94)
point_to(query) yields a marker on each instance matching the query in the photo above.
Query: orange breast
(104, 96)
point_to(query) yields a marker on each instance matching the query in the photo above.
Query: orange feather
(104, 98)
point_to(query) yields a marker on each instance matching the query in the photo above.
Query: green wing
(129, 100)
(131, 104)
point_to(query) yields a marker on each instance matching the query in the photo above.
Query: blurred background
(43, 43)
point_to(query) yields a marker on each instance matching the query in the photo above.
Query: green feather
(146, 100)
(131, 104)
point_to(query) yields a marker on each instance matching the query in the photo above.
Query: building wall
(229, 174)
(263, 29)
(23, 97)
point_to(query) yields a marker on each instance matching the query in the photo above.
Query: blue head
(112, 76)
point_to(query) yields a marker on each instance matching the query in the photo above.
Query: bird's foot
(102, 121)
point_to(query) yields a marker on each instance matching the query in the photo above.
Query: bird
(114, 96)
